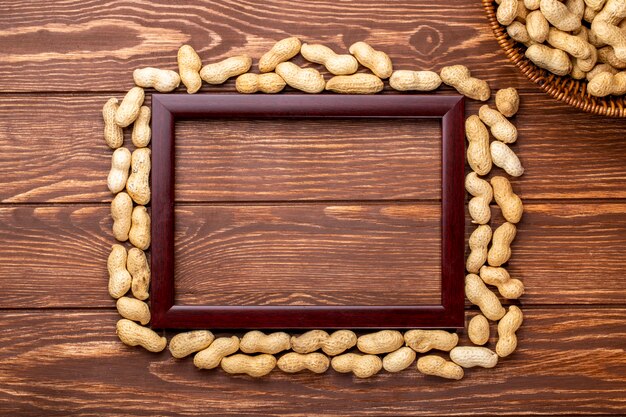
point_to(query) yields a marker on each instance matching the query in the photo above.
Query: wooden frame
(166, 109)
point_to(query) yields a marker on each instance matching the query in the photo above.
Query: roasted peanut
(610, 35)
(121, 212)
(139, 234)
(478, 294)
(269, 83)
(335, 64)
(599, 69)
(595, 4)
(501, 128)
(399, 360)
(582, 33)
(521, 12)
(507, 101)
(478, 243)
(293, 362)
(606, 83)
(132, 334)
(133, 309)
(138, 183)
(113, 134)
(576, 73)
(184, 344)
(219, 72)
(482, 193)
(362, 366)
(256, 341)
(518, 32)
(510, 204)
(554, 60)
(589, 15)
(118, 175)
(119, 278)
(478, 154)
(424, 340)
(508, 287)
(377, 61)
(128, 111)
(211, 357)
(531, 4)
(309, 342)
(161, 80)
(606, 55)
(593, 38)
(586, 65)
(559, 15)
(508, 325)
(613, 12)
(537, 26)
(308, 80)
(141, 128)
(459, 77)
(436, 366)
(500, 250)
(503, 157)
(137, 265)
(470, 356)
(403, 80)
(571, 44)
(254, 366)
(380, 342)
(339, 341)
(478, 330)
(576, 7)
(355, 84)
(282, 51)
(189, 65)
(506, 12)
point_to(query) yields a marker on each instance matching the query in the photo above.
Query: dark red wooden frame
(166, 109)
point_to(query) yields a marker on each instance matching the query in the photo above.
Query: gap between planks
(538, 201)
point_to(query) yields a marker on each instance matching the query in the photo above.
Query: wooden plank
(308, 159)
(70, 362)
(105, 42)
(50, 152)
(54, 256)
(309, 254)
(564, 253)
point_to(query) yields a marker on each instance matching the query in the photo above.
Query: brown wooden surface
(573, 363)
(59, 63)
(265, 160)
(308, 254)
(53, 159)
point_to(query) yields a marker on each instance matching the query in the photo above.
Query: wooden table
(58, 352)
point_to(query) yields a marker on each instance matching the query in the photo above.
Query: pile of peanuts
(579, 38)
(317, 350)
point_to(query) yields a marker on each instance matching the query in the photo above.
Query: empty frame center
(307, 212)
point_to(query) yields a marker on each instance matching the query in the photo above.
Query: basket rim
(566, 89)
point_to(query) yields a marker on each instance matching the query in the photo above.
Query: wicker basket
(566, 89)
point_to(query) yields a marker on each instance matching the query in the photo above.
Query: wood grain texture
(565, 253)
(265, 160)
(60, 61)
(70, 362)
(309, 254)
(104, 42)
(62, 158)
